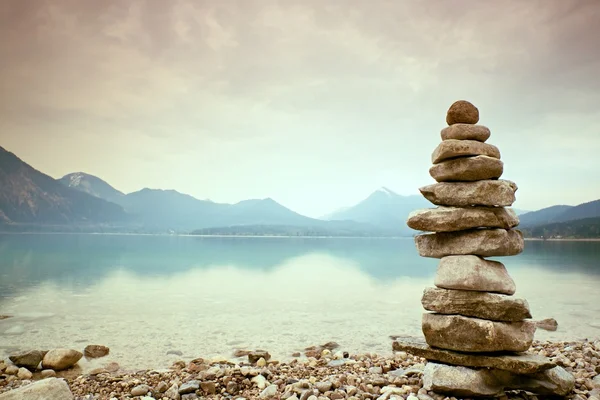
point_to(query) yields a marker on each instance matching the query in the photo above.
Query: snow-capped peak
(75, 179)
(386, 191)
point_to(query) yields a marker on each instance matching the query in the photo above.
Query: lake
(145, 296)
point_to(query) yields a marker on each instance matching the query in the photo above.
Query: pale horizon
(381, 188)
(314, 104)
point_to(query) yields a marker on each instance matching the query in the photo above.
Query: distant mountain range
(383, 208)
(581, 221)
(32, 200)
(519, 211)
(584, 228)
(560, 213)
(28, 196)
(157, 209)
(93, 185)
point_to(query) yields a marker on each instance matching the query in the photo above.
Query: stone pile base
(487, 374)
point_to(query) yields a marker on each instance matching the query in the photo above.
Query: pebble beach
(321, 372)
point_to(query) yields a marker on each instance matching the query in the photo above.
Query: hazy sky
(315, 103)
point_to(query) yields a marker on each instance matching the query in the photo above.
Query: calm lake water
(144, 296)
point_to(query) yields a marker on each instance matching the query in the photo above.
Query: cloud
(313, 103)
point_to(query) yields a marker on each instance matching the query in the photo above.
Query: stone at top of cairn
(462, 112)
(462, 117)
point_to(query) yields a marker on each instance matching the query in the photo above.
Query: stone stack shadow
(476, 332)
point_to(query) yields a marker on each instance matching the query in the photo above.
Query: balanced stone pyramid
(476, 333)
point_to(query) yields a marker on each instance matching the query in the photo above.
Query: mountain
(28, 196)
(168, 209)
(585, 228)
(264, 212)
(384, 209)
(173, 210)
(520, 212)
(157, 209)
(154, 210)
(93, 185)
(586, 210)
(332, 215)
(543, 216)
(560, 213)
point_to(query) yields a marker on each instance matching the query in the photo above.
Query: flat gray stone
(27, 359)
(96, 351)
(467, 169)
(140, 390)
(189, 387)
(45, 389)
(478, 242)
(468, 382)
(473, 273)
(451, 219)
(459, 333)
(453, 148)
(548, 324)
(521, 363)
(461, 381)
(256, 355)
(490, 306)
(489, 193)
(552, 382)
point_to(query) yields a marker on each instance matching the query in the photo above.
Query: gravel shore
(323, 372)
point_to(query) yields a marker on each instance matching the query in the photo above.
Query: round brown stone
(462, 112)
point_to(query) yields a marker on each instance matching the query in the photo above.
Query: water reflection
(209, 311)
(83, 259)
(143, 295)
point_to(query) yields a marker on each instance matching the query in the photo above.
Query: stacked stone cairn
(476, 333)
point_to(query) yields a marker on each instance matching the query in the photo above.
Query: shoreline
(205, 236)
(324, 371)
(269, 236)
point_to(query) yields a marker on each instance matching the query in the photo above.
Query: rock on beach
(50, 388)
(548, 324)
(60, 359)
(24, 373)
(29, 359)
(95, 351)
(256, 355)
